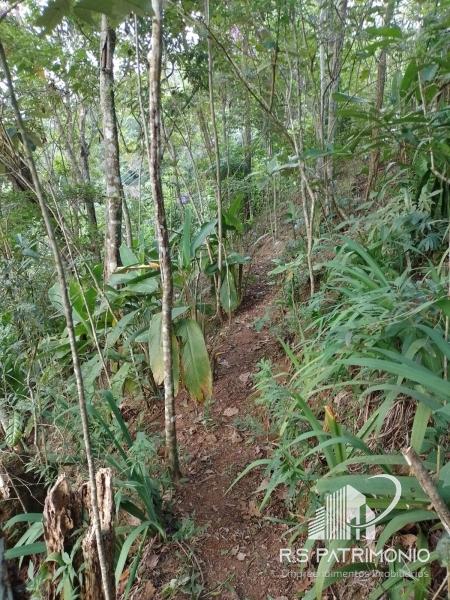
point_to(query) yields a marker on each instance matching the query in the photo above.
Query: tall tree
(107, 580)
(154, 159)
(216, 157)
(247, 130)
(379, 96)
(338, 27)
(114, 191)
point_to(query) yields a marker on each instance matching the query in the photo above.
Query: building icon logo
(346, 514)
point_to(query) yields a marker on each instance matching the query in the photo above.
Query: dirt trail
(239, 546)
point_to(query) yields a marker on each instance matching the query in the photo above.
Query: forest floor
(234, 552)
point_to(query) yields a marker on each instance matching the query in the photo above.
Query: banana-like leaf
(205, 230)
(127, 256)
(156, 354)
(228, 293)
(195, 363)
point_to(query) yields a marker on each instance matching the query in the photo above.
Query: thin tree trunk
(381, 80)
(323, 45)
(63, 134)
(206, 135)
(127, 222)
(85, 171)
(113, 218)
(247, 136)
(154, 158)
(336, 68)
(308, 197)
(217, 159)
(84, 146)
(106, 580)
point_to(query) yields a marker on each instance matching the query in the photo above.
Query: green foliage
(373, 338)
(390, 326)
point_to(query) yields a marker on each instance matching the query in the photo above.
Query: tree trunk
(336, 67)
(247, 137)
(217, 160)
(85, 171)
(206, 136)
(322, 111)
(61, 517)
(107, 591)
(92, 581)
(63, 134)
(154, 158)
(127, 222)
(379, 95)
(113, 217)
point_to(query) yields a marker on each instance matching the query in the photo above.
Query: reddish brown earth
(237, 554)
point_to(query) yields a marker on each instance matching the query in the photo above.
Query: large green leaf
(195, 363)
(127, 256)
(228, 293)
(155, 349)
(120, 327)
(420, 424)
(147, 286)
(232, 218)
(388, 32)
(205, 230)
(409, 77)
(414, 372)
(119, 378)
(156, 353)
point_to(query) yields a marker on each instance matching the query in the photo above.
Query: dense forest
(224, 299)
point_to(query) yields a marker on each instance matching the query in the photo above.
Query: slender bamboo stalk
(154, 160)
(217, 159)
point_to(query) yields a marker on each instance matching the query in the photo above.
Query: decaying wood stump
(60, 515)
(63, 514)
(92, 581)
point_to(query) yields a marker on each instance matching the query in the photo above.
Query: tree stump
(63, 514)
(92, 581)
